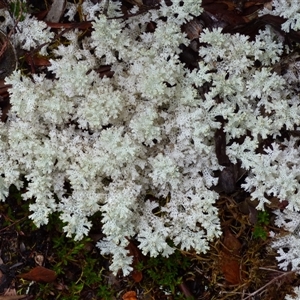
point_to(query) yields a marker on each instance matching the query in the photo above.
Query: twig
(269, 269)
(267, 284)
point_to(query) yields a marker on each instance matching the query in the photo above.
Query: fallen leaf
(230, 267)
(131, 295)
(231, 244)
(193, 29)
(37, 61)
(230, 258)
(39, 274)
(137, 276)
(135, 252)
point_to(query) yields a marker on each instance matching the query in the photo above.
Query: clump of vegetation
(260, 230)
(167, 273)
(18, 9)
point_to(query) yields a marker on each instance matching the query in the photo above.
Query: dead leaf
(193, 29)
(131, 295)
(230, 258)
(39, 274)
(230, 267)
(135, 252)
(231, 244)
(137, 276)
(37, 61)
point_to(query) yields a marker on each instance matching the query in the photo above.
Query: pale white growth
(288, 9)
(75, 211)
(275, 173)
(121, 258)
(267, 40)
(296, 290)
(32, 33)
(201, 75)
(110, 8)
(71, 10)
(184, 10)
(288, 220)
(108, 39)
(7, 22)
(90, 11)
(199, 199)
(244, 152)
(95, 111)
(153, 232)
(288, 246)
(120, 216)
(137, 144)
(68, 69)
(144, 127)
(4, 190)
(237, 81)
(165, 172)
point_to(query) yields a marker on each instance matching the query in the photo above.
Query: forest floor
(42, 263)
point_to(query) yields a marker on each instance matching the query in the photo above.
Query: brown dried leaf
(37, 61)
(39, 274)
(230, 259)
(231, 244)
(193, 29)
(137, 276)
(131, 295)
(134, 251)
(230, 267)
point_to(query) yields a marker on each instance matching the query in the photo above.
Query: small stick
(267, 284)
